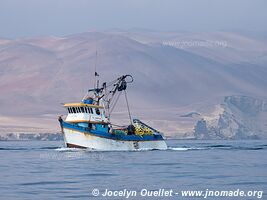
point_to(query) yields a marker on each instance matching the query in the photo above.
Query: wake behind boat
(88, 123)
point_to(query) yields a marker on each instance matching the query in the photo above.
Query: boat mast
(96, 81)
(109, 97)
(97, 90)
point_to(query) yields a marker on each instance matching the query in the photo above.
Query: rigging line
(111, 83)
(113, 94)
(114, 104)
(104, 100)
(123, 126)
(107, 99)
(128, 107)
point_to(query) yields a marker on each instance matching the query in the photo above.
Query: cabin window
(82, 108)
(73, 110)
(97, 111)
(68, 110)
(91, 109)
(85, 109)
(78, 110)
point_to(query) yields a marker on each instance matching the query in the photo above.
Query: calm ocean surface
(46, 170)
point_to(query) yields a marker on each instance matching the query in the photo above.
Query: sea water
(48, 170)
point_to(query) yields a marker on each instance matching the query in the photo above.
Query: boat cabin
(86, 115)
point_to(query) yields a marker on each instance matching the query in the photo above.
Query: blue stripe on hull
(112, 136)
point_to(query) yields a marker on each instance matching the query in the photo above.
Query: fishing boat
(88, 123)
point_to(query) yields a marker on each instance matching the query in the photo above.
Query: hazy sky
(27, 18)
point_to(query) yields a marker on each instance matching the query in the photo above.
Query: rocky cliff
(238, 117)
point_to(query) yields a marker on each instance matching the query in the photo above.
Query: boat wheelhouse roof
(82, 105)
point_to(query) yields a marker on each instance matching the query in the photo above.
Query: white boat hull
(78, 139)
